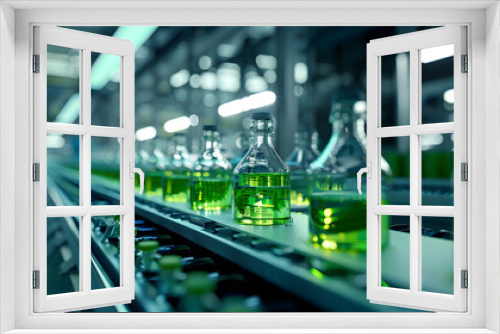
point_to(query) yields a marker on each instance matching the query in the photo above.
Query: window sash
(86, 297)
(412, 43)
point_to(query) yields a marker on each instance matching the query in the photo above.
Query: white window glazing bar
(422, 129)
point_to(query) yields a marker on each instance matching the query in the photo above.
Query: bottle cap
(148, 245)
(210, 128)
(262, 115)
(170, 262)
(198, 283)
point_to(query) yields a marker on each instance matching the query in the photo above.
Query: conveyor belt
(333, 281)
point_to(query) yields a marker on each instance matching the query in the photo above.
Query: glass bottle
(261, 181)
(148, 248)
(299, 162)
(199, 293)
(152, 172)
(171, 273)
(176, 174)
(211, 175)
(338, 214)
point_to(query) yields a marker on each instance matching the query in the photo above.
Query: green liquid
(304, 184)
(300, 184)
(152, 183)
(338, 220)
(261, 199)
(176, 186)
(210, 194)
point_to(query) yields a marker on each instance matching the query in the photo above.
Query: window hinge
(465, 279)
(36, 63)
(36, 279)
(464, 170)
(465, 63)
(36, 172)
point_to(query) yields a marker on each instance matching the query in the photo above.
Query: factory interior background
(199, 88)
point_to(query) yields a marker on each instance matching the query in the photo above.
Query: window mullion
(415, 254)
(85, 100)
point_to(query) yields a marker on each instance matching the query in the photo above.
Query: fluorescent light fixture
(177, 124)
(70, 111)
(208, 81)
(359, 107)
(205, 62)
(300, 73)
(228, 77)
(449, 96)
(194, 81)
(253, 101)
(55, 141)
(194, 120)
(270, 76)
(255, 84)
(437, 53)
(179, 78)
(146, 133)
(227, 50)
(106, 66)
(266, 62)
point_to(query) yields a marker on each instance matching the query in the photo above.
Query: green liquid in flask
(211, 194)
(261, 199)
(338, 220)
(176, 186)
(152, 183)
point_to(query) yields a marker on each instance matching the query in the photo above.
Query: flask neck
(211, 143)
(263, 138)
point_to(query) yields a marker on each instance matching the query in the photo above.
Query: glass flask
(151, 169)
(261, 181)
(337, 210)
(211, 176)
(242, 145)
(299, 162)
(176, 175)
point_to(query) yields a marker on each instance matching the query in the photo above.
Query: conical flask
(261, 181)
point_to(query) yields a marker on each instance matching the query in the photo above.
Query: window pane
(63, 85)
(63, 255)
(105, 252)
(105, 164)
(437, 169)
(396, 255)
(395, 89)
(396, 187)
(437, 254)
(105, 83)
(63, 158)
(437, 84)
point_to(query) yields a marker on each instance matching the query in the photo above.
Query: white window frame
(484, 260)
(85, 43)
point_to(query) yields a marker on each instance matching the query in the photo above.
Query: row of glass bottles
(262, 181)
